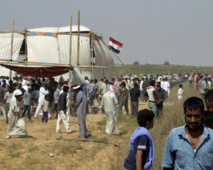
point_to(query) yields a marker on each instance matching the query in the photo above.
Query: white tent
(51, 45)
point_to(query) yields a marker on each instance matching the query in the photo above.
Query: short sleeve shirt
(140, 143)
(45, 105)
(8, 97)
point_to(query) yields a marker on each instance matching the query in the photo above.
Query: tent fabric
(5, 49)
(51, 45)
(42, 49)
(76, 78)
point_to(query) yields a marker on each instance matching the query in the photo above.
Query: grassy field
(161, 69)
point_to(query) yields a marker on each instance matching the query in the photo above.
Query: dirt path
(32, 152)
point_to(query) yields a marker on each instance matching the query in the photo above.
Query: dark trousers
(27, 109)
(45, 117)
(55, 109)
(134, 108)
(159, 110)
(125, 104)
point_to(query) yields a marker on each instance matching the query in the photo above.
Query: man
(144, 87)
(152, 97)
(87, 84)
(109, 102)
(124, 98)
(82, 110)
(91, 95)
(42, 92)
(2, 93)
(21, 88)
(190, 146)
(209, 82)
(161, 98)
(6, 101)
(134, 80)
(96, 91)
(209, 100)
(62, 103)
(103, 89)
(203, 87)
(27, 103)
(141, 154)
(141, 89)
(56, 95)
(166, 86)
(208, 119)
(134, 94)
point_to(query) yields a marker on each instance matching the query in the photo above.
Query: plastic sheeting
(5, 49)
(77, 78)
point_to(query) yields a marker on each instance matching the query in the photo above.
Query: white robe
(110, 101)
(16, 124)
(42, 93)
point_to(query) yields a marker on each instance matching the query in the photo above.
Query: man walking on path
(109, 103)
(62, 103)
(134, 94)
(124, 98)
(152, 97)
(82, 110)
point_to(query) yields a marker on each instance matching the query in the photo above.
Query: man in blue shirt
(190, 146)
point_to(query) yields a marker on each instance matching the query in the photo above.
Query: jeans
(27, 109)
(45, 117)
(153, 107)
(159, 110)
(134, 108)
(125, 104)
(142, 95)
(118, 98)
(6, 107)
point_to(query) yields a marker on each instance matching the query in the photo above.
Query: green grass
(32, 147)
(161, 69)
(14, 154)
(66, 148)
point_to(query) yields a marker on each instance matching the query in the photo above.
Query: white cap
(76, 87)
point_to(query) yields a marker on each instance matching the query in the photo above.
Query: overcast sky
(152, 31)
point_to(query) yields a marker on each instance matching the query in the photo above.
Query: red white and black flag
(115, 45)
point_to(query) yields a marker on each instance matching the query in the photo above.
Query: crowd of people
(46, 97)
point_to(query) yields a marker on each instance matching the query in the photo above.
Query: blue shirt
(180, 154)
(140, 143)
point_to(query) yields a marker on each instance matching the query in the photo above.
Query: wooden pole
(78, 47)
(11, 52)
(70, 52)
(91, 37)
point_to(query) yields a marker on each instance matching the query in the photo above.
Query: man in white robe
(42, 92)
(109, 102)
(16, 124)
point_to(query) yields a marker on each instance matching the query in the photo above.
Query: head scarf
(112, 89)
(16, 93)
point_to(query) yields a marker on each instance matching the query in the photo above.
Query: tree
(136, 63)
(166, 63)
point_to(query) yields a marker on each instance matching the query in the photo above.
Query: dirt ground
(69, 152)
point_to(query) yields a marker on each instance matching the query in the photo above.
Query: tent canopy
(37, 71)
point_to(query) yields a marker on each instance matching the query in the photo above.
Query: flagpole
(78, 37)
(11, 52)
(70, 51)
